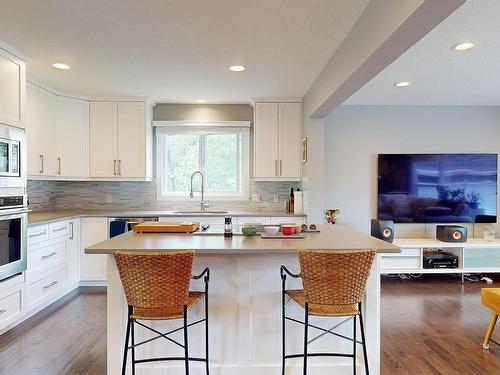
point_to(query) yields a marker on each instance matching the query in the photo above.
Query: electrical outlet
(276, 198)
(256, 198)
(109, 198)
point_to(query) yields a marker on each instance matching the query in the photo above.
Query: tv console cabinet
(474, 256)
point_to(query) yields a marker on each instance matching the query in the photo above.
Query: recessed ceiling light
(402, 84)
(60, 66)
(237, 68)
(463, 46)
(201, 100)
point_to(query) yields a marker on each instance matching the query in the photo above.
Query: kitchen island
(245, 299)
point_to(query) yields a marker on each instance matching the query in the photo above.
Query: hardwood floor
(434, 325)
(69, 337)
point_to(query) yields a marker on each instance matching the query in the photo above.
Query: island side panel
(245, 322)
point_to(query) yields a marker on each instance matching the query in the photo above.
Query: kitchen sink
(201, 212)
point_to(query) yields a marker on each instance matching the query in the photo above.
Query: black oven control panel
(11, 201)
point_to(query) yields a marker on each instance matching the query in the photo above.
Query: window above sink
(219, 149)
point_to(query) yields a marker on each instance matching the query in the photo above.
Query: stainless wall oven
(13, 202)
(13, 252)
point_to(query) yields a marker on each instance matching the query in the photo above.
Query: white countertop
(38, 217)
(432, 242)
(336, 236)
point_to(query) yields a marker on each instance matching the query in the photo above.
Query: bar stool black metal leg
(354, 345)
(306, 326)
(125, 350)
(365, 356)
(186, 351)
(133, 347)
(206, 330)
(283, 333)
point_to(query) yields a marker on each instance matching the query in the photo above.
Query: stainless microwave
(12, 158)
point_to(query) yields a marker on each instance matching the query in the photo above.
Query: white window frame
(198, 127)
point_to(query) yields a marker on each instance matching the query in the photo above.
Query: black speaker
(383, 229)
(451, 233)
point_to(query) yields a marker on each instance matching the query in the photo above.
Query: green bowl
(249, 231)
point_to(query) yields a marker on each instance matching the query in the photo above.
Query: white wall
(313, 181)
(354, 135)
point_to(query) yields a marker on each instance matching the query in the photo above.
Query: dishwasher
(120, 225)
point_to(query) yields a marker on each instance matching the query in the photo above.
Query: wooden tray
(281, 236)
(159, 227)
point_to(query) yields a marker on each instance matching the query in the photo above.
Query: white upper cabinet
(277, 141)
(41, 127)
(265, 138)
(47, 129)
(103, 139)
(57, 134)
(34, 164)
(290, 130)
(12, 89)
(131, 139)
(72, 137)
(118, 139)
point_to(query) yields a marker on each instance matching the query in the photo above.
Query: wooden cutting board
(159, 227)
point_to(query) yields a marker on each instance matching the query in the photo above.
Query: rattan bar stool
(156, 286)
(333, 282)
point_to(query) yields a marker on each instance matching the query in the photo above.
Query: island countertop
(338, 236)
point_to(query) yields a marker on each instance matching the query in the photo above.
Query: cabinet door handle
(119, 167)
(3, 311)
(71, 236)
(58, 165)
(50, 285)
(280, 167)
(59, 229)
(38, 234)
(49, 255)
(114, 167)
(276, 167)
(41, 163)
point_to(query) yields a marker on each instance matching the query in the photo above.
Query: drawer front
(287, 220)
(38, 233)
(59, 229)
(46, 257)
(11, 307)
(43, 289)
(410, 252)
(262, 220)
(11, 282)
(402, 263)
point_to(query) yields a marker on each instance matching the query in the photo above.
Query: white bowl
(271, 231)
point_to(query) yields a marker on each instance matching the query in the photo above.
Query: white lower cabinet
(12, 305)
(46, 286)
(73, 250)
(93, 267)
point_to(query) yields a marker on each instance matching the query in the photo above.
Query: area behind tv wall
(355, 135)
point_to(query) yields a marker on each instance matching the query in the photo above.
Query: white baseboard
(93, 283)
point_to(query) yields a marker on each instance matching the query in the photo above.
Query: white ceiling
(439, 75)
(179, 50)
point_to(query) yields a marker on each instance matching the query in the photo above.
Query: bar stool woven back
(334, 283)
(156, 286)
(335, 277)
(155, 279)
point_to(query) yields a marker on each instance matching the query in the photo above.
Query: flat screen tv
(437, 188)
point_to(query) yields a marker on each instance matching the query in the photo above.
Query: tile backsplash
(142, 195)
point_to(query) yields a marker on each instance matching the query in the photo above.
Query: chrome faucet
(204, 205)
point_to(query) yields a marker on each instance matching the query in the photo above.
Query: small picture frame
(304, 150)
